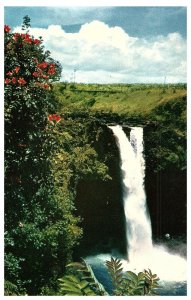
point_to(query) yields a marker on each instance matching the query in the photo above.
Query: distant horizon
(124, 83)
(114, 44)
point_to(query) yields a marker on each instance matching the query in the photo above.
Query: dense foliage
(31, 212)
(45, 156)
(167, 135)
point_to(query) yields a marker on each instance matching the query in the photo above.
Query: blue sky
(137, 21)
(111, 44)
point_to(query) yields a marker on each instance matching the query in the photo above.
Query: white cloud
(108, 54)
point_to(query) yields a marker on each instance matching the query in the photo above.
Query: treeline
(119, 87)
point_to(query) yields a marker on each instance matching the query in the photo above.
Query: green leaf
(132, 276)
(71, 278)
(77, 265)
(83, 284)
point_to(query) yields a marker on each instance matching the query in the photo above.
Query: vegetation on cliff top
(117, 98)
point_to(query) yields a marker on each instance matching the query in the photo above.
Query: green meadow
(118, 98)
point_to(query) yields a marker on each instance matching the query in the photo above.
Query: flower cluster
(21, 81)
(44, 69)
(25, 38)
(39, 73)
(54, 117)
(14, 71)
(14, 80)
(42, 65)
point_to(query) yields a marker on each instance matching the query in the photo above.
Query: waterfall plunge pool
(174, 285)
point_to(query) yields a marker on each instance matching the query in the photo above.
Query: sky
(111, 44)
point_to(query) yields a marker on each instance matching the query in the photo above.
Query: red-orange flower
(45, 76)
(43, 85)
(36, 41)
(54, 117)
(7, 28)
(7, 80)
(26, 38)
(9, 73)
(50, 118)
(35, 74)
(24, 35)
(16, 35)
(16, 70)
(43, 65)
(21, 81)
(46, 86)
(51, 71)
(14, 80)
(57, 119)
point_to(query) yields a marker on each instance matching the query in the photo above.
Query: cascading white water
(142, 254)
(138, 225)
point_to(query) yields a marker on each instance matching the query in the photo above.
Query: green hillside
(118, 98)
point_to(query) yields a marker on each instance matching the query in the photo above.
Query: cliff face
(100, 202)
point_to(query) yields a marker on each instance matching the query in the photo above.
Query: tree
(40, 232)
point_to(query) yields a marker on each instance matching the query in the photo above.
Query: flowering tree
(37, 242)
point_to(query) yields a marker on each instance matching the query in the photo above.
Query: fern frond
(115, 271)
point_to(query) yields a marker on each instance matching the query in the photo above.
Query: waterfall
(138, 225)
(142, 254)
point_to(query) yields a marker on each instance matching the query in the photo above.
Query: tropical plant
(82, 282)
(71, 285)
(129, 283)
(151, 282)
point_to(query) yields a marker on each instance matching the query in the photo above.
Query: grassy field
(118, 98)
